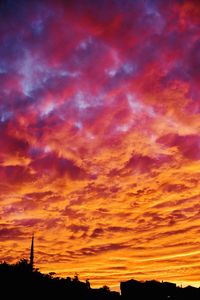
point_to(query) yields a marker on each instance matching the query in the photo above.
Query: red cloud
(57, 167)
(188, 145)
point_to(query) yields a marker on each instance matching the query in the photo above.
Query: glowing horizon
(100, 138)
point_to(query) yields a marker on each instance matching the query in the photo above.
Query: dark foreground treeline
(19, 281)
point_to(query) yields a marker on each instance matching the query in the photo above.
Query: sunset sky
(100, 138)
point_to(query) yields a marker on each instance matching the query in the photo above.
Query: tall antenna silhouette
(32, 253)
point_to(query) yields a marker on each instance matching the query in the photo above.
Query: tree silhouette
(19, 281)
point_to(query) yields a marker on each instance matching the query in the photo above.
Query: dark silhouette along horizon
(22, 279)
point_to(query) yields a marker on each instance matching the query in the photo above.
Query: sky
(100, 138)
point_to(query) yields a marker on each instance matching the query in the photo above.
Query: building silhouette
(21, 279)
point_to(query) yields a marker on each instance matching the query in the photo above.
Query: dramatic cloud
(100, 137)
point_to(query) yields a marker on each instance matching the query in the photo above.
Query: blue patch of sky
(129, 68)
(78, 125)
(66, 73)
(5, 115)
(84, 101)
(134, 104)
(138, 106)
(37, 27)
(33, 72)
(2, 70)
(155, 19)
(84, 44)
(125, 69)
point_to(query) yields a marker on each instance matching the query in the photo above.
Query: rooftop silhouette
(22, 281)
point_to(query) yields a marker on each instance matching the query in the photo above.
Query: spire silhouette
(32, 253)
